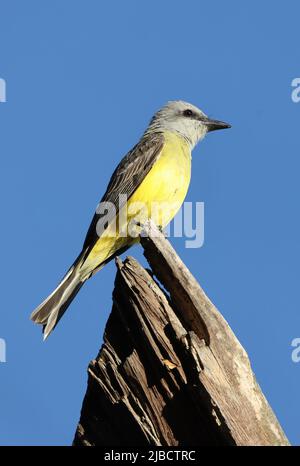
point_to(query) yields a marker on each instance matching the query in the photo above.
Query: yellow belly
(158, 197)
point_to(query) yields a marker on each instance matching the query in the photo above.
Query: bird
(155, 172)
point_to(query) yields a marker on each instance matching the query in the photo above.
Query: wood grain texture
(170, 370)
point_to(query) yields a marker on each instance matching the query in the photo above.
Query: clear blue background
(83, 79)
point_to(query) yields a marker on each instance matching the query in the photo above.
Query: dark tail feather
(50, 311)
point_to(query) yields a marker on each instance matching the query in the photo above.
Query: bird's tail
(50, 311)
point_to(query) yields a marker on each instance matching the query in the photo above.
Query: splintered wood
(170, 370)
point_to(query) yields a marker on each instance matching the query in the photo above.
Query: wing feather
(126, 178)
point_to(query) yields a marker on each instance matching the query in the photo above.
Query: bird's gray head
(184, 119)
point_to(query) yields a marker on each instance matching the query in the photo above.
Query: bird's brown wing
(126, 178)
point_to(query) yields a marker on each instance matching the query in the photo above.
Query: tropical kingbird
(156, 172)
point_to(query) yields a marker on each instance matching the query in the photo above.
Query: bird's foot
(161, 229)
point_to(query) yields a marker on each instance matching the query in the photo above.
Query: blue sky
(83, 79)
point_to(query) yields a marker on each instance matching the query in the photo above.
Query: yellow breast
(159, 196)
(164, 188)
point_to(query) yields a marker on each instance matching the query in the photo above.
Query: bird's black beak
(213, 125)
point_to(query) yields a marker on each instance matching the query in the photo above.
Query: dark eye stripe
(188, 112)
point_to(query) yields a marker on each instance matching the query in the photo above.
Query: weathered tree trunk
(170, 371)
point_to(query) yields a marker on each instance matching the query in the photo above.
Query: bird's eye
(188, 112)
